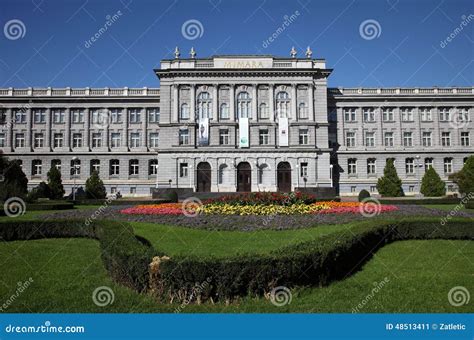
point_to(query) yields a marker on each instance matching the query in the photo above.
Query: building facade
(237, 123)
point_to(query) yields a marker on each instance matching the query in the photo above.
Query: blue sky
(405, 47)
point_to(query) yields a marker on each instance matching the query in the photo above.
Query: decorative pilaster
(192, 105)
(215, 102)
(232, 102)
(254, 114)
(293, 102)
(175, 104)
(271, 96)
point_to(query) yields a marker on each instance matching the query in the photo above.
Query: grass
(65, 273)
(174, 240)
(448, 207)
(36, 214)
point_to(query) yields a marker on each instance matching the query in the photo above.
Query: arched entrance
(203, 177)
(284, 177)
(244, 177)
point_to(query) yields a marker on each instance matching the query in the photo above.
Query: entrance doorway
(203, 177)
(284, 177)
(244, 177)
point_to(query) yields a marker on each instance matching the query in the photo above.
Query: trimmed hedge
(124, 256)
(312, 263)
(421, 201)
(118, 201)
(49, 206)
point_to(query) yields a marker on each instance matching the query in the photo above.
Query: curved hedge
(332, 257)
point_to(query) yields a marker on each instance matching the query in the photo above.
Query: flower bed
(223, 207)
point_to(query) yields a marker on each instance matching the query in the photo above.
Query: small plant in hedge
(41, 191)
(363, 195)
(432, 185)
(14, 182)
(173, 197)
(95, 187)
(465, 178)
(55, 183)
(390, 185)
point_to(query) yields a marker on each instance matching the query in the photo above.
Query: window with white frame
(350, 139)
(19, 140)
(39, 116)
(58, 116)
(135, 139)
(154, 139)
(369, 114)
(303, 111)
(38, 140)
(283, 104)
(370, 139)
(426, 115)
(463, 114)
(97, 140)
(264, 114)
(448, 165)
(224, 137)
(349, 114)
(204, 104)
(410, 166)
(303, 137)
(263, 137)
(371, 166)
(183, 137)
(184, 113)
(407, 114)
(3, 116)
(133, 167)
(352, 166)
(465, 140)
(20, 116)
(77, 115)
(95, 165)
(428, 163)
(36, 167)
(183, 170)
(446, 138)
(387, 114)
(154, 115)
(77, 140)
(407, 139)
(304, 169)
(58, 140)
(114, 167)
(135, 115)
(97, 116)
(115, 116)
(75, 167)
(444, 114)
(56, 163)
(153, 167)
(244, 105)
(426, 139)
(2, 140)
(388, 138)
(115, 139)
(224, 111)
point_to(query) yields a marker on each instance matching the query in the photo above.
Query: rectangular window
(153, 167)
(410, 166)
(77, 115)
(77, 140)
(407, 114)
(387, 114)
(304, 170)
(426, 115)
(184, 113)
(465, 140)
(264, 114)
(133, 168)
(426, 139)
(154, 115)
(369, 115)
(224, 137)
(303, 137)
(115, 139)
(371, 166)
(133, 190)
(388, 139)
(407, 139)
(95, 165)
(224, 112)
(114, 167)
(428, 163)
(183, 137)
(20, 116)
(350, 114)
(448, 165)
(19, 140)
(3, 117)
(58, 116)
(135, 115)
(154, 139)
(373, 188)
(2, 140)
(370, 139)
(352, 166)
(445, 114)
(38, 140)
(36, 167)
(96, 140)
(39, 116)
(353, 189)
(183, 170)
(58, 140)
(302, 111)
(113, 190)
(463, 114)
(135, 140)
(115, 116)
(350, 139)
(446, 138)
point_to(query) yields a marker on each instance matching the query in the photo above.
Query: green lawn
(174, 240)
(448, 207)
(65, 272)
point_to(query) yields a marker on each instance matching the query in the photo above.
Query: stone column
(311, 113)
(271, 97)
(29, 128)
(293, 114)
(145, 128)
(67, 130)
(192, 105)
(175, 104)
(9, 119)
(87, 122)
(254, 113)
(48, 129)
(232, 102)
(126, 119)
(215, 102)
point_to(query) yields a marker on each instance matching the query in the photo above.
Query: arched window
(204, 105)
(264, 111)
(224, 111)
(302, 111)
(283, 104)
(244, 104)
(184, 114)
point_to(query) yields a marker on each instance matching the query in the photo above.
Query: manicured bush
(363, 194)
(432, 185)
(258, 198)
(390, 185)
(95, 187)
(42, 190)
(55, 183)
(465, 178)
(52, 205)
(172, 197)
(421, 201)
(14, 182)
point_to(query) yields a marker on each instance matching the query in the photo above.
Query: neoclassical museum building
(238, 123)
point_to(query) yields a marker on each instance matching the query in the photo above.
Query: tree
(95, 187)
(432, 185)
(41, 191)
(55, 183)
(13, 181)
(390, 185)
(465, 178)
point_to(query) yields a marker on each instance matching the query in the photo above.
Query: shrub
(55, 183)
(265, 198)
(40, 191)
(465, 178)
(390, 185)
(432, 185)
(363, 194)
(14, 183)
(95, 187)
(173, 197)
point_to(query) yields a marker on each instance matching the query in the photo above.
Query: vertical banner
(203, 132)
(283, 131)
(243, 132)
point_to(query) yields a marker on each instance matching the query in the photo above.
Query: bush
(432, 185)
(363, 195)
(41, 191)
(14, 183)
(55, 183)
(465, 178)
(265, 198)
(95, 187)
(49, 206)
(173, 197)
(390, 185)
